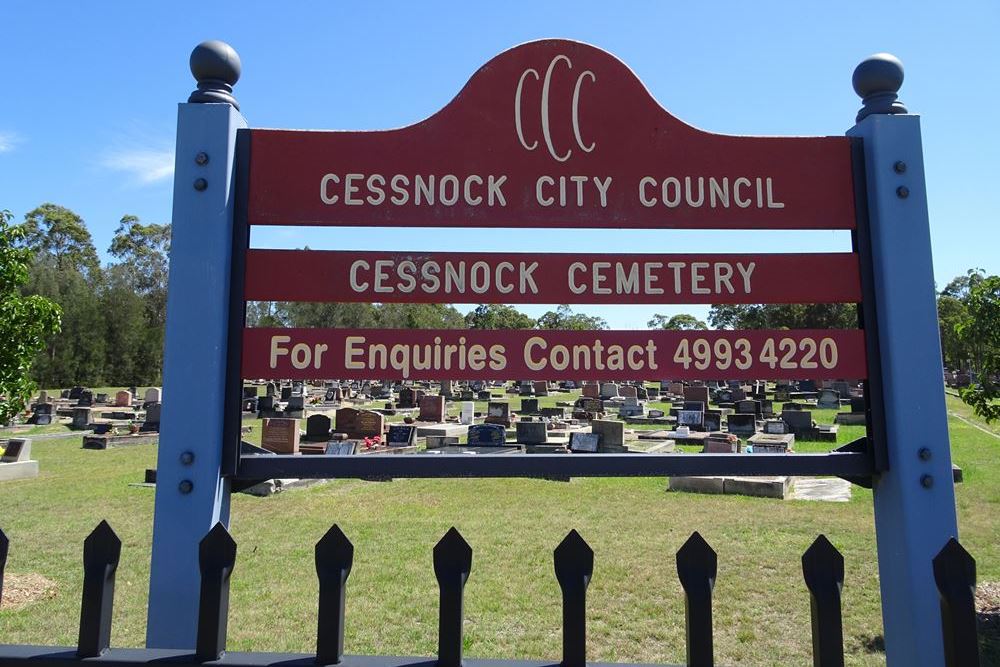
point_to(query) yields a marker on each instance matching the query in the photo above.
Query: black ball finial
(877, 80)
(216, 66)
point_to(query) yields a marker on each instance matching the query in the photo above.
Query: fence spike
(334, 558)
(955, 576)
(697, 566)
(216, 559)
(101, 552)
(823, 570)
(452, 565)
(574, 564)
(4, 548)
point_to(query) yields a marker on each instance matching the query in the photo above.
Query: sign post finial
(216, 66)
(877, 80)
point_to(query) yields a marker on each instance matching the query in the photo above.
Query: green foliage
(498, 316)
(679, 322)
(564, 318)
(59, 232)
(980, 333)
(26, 322)
(784, 316)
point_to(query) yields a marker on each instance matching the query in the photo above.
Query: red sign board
(552, 133)
(318, 275)
(532, 354)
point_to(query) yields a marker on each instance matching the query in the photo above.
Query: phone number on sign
(785, 353)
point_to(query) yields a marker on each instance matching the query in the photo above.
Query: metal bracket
(862, 445)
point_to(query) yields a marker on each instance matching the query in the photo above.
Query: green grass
(635, 603)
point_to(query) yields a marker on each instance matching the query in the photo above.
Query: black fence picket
(4, 549)
(101, 552)
(334, 557)
(823, 570)
(216, 559)
(452, 565)
(574, 564)
(697, 568)
(955, 577)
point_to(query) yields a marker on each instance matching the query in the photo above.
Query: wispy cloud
(9, 141)
(147, 165)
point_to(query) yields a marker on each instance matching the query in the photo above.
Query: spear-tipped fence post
(101, 552)
(697, 566)
(452, 564)
(334, 557)
(4, 548)
(823, 570)
(574, 563)
(216, 559)
(955, 576)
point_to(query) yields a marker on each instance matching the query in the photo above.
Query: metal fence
(697, 567)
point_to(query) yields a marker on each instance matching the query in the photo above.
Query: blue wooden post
(191, 495)
(914, 498)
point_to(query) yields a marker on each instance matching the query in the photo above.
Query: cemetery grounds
(513, 607)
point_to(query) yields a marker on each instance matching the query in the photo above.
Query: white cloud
(9, 141)
(145, 165)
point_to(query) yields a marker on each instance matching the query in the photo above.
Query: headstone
(17, 450)
(318, 428)
(487, 435)
(720, 443)
(747, 407)
(828, 399)
(526, 388)
(842, 388)
(609, 390)
(401, 435)
(612, 434)
(712, 420)
(797, 420)
(592, 390)
(346, 420)
(74, 393)
(584, 442)
(628, 391)
(691, 418)
(532, 433)
(446, 388)
(249, 392)
(370, 424)
(696, 394)
(742, 424)
(271, 390)
(630, 407)
(280, 436)
(265, 403)
(153, 395)
(43, 396)
(468, 414)
(334, 395)
(782, 392)
(676, 388)
(775, 427)
(431, 409)
(286, 393)
(541, 388)
(296, 403)
(498, 412)
(407, 397)
(858, 404)
(807, 385)
(529, 406)
(123, 399)
(86, 398)
(42, 414)
(153, 415)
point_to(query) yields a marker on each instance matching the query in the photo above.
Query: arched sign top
(552, 133)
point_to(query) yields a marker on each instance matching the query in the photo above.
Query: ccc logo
(544, 109)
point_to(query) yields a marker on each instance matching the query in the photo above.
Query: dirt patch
(23, 589)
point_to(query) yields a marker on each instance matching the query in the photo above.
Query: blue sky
(89, 110)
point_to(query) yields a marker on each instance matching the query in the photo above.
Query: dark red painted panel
(551, 133)
(531, 354)
(345, 276)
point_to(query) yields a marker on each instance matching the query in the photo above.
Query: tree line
(113, 316)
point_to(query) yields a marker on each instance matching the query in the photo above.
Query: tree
(498, 316)
(981, 334)
(679, 322)
(419, 316)
(784, 316)
(59, 232)
(563, 317)
(26, 322)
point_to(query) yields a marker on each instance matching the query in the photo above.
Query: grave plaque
(401, 435)
(541, 388)
(695, 418)
(712, 420)
(346, 420)
(487, 435)
(628, 391)
(280, 436)
(797, 420)
(584, 442)
(612, 434)
(696, 394)
(123, 399)
(828, 399)
(609, 390)
(18, 449)
(591, 390)
(529, 406)
(498, 412)
(342, 448)
(152, 395)
(431, 409)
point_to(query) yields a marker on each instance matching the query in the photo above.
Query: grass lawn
(635, 603)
